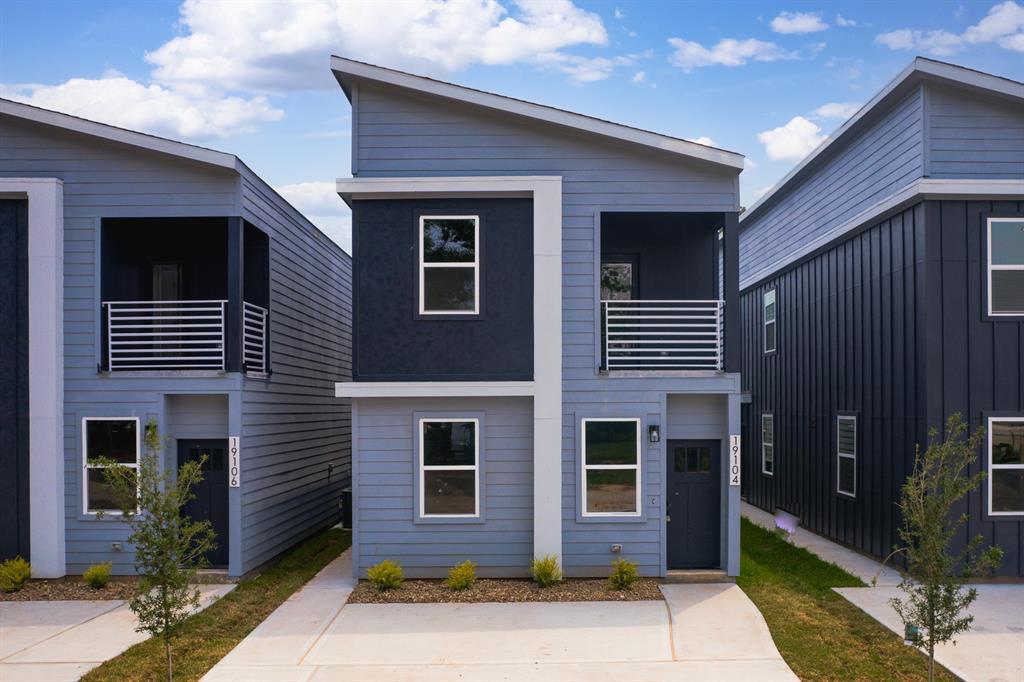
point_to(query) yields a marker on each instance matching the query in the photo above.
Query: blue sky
(768, 79)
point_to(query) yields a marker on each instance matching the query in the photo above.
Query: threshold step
(214, 576)
(704, 575)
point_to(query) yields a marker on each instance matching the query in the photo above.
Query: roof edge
(540, 112)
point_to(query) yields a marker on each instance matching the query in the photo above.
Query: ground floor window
(449, 471)
(846, 451)
(1006, 465)
(611, 467)
(106, 440)
(768, 443)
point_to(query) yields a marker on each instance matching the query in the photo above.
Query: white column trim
(45, 368)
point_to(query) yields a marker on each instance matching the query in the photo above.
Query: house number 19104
(734, 460)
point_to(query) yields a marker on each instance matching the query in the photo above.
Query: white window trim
(992, 467)
(584, 468)
(423, 265)
(475, 467)
(85, 459)
(771, 417)
(991, 267)
(840, 455)
(773, 321)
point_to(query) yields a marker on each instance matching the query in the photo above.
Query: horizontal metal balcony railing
(254, 337)
(667, 335)
(165, 335)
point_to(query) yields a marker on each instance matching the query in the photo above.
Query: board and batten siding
(885, 156)
(385, 470)
(974, 137)
(398, 133)
(296, 436)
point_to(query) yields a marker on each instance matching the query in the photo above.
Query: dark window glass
(1007, 490)
(847, 474)
(769, 337)
(449, 443)
(847, 436)
(611, 490)
(610, 442)
(616, 281)
(111, 439)
(449, 492)
(679, 456)
(705, 461)
(449, 240)
(448, 289)
(768, 463)
(1007, 442)
(1008, 291)
(101, 494)
(1008, 242)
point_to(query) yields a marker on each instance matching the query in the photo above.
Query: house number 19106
(234, 461)
(734, 460)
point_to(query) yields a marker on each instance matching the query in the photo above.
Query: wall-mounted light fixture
(653, 433)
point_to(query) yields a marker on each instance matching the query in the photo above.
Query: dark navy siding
(392, 343)
(14, 456)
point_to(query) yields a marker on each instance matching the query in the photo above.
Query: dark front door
(14, 483)
(694, 513)
(211, 494)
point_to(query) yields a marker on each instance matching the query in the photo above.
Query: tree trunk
(931, 662)
(170, 668)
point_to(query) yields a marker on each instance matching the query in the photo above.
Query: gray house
(544, 359)
(145, 279)
(882, 286)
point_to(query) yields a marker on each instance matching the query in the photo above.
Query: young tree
(933, 609)
(169, 548)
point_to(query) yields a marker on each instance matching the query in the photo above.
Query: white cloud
(281, 46)
(689, 55)
(619, 14)
(1003, 25)
(815, 48)
(123, 102)
(639, 77)
(798, 22)
(794, 140)
(841, 110)
(844, 22)
(748, 163)
(588, 69)
(319, 201)
(760, 192)
(703, 139)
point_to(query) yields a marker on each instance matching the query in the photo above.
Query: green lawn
(820, 634)
(209, 635)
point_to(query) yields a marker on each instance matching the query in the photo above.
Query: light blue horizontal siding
(501, 545)
(974, 136)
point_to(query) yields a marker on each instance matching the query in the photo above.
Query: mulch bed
(504, 590)
(72, 589)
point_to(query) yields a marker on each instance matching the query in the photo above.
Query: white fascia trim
(45, 369)
(115, 134)
(546, 192)
(919, 190)
(538, 112)
(433, 389)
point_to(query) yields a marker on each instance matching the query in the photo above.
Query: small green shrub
(14, 573)
(624, 575)
(98, 575)
(463, 576)
(546, 571)
(387, 575)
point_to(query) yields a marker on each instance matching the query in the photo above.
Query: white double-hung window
(768, 443)
(846, 455)
(1005, 466)
(449, 467)
(1005, 266)
(449, 265)
(770, 327)
(611, 467)
(106, 441)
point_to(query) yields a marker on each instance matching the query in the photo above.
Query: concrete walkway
(62, 640)
(992, 650)
(702, 632)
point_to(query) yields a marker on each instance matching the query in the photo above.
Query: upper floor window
(768, 443)
(1005, 266)
(449, 468)
(611, 467)
(770, 333)
(846, 453)
(1006, 466)
(449, 268)
(106, 440)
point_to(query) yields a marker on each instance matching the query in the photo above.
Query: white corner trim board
(546, 387)
(45, 368)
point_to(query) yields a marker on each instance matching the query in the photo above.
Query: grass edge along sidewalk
(211, 634)
(820, 634)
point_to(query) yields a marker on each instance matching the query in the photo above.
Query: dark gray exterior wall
(395, 343)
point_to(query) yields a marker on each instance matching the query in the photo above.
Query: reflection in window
(846, 451)
(449, 265)
(1005, 266)
(611, 467)
(106, 441)
(616, 281)
(449, 472)
(1006, 466)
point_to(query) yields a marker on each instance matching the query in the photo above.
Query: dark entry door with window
(211, 494)
(693, 508)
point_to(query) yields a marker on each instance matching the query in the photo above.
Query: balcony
(662, 334)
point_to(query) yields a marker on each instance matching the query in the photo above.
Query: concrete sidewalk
(992, 650)
(62, 640)
(701, 632)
